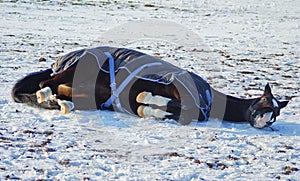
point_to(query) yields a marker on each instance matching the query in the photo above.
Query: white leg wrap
(147, 111)
(43, 94)
(65, 106)
(148, 98)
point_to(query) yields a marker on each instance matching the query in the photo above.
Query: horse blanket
(125, 66)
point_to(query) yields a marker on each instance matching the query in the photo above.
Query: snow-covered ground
(238, 46)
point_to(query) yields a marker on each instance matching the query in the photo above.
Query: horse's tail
(26, 87)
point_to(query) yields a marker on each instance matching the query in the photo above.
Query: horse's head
(264, 110)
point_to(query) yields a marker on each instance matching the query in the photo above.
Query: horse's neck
(229, 108)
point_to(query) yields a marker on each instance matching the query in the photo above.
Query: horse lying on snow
(129, 81)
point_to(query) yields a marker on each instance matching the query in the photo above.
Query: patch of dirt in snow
(247, 44)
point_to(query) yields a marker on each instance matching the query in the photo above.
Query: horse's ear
(267, 91)
(283, 103)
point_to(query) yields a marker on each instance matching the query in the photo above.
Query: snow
(237, 46)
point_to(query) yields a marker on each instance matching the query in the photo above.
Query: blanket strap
(116, 91)
(113, 87)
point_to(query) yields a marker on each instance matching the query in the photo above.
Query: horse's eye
(261, 115)
(264, 99)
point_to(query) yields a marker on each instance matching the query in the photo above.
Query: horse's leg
(148, 98)
(37, 90)
(78, 86)
(147, 111)
(162, 102)
(152, 99)
(64, 93)
(159, 106)
(54, 82)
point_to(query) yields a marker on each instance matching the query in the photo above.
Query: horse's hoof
(141, 97)
(43, 94)
(147, 111)
(148, 98)
(65, 106)
(140, 111)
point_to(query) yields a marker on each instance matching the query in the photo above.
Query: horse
(129, 81)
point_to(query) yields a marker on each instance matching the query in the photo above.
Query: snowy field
(237, 46)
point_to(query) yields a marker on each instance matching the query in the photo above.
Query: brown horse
(129, 81)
